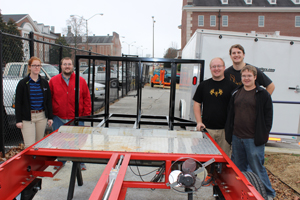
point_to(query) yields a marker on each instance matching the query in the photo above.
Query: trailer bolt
(225, 187)
(223, 183)
(34, 157)
(29, 168)
(27, 179)
(23, 183)
(227, 191)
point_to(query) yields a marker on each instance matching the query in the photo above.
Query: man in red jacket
(62, 88)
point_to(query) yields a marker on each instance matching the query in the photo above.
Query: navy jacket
(264, 116)
(23, 108)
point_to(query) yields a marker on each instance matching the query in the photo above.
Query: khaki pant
(34, 130)
(219, 136)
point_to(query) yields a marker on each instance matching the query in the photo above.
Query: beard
(68, 73)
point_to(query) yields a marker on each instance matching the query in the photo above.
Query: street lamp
(137, 49)
(153, 36)
(128, 46)
(86, 27)
(143, 51)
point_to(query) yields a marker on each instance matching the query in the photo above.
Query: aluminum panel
(129, 140)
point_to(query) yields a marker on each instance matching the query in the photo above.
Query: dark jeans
(57, 123)
(246, 153)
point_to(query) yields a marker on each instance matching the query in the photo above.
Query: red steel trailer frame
(21, 170)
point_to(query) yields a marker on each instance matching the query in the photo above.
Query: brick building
(41, 32)
(105, 45)
(262, 16)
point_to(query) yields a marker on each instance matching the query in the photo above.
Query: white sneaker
(270, 198)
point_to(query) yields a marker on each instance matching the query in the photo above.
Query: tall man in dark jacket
(248, 125)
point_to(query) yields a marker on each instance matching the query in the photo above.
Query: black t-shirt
(214, 97)
(235, 76)
(245, 113)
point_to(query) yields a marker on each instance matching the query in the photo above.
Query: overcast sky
(131, 19)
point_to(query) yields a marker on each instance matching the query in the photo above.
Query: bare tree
(76, 29)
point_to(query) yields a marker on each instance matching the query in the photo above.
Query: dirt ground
(284, 174)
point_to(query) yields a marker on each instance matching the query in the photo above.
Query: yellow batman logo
(216, 93)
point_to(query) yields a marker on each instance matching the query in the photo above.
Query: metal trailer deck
(106, 145)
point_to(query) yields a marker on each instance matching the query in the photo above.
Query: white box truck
(278, 56)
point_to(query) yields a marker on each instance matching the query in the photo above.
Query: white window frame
(199, 20)
(297, 21)
(248, 2)
(213, 22)
(261, 21)
(224, 20)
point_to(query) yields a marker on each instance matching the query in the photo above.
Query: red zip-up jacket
(63, 97)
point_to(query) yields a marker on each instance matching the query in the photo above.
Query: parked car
(19, 70)
(99, 90)
(99, 74)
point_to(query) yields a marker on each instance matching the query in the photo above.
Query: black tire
(114, 83)
(256, 182)
(152, 84)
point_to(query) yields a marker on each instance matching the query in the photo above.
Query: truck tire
(114, 83)
(256, 182)
(152, 84)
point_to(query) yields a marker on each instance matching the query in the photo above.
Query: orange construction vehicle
(159, 80)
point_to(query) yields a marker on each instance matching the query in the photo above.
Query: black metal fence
(15, 51)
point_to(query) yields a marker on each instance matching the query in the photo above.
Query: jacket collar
(257, 89)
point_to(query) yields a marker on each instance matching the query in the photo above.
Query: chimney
(52, 29)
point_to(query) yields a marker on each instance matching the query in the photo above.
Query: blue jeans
(246, 153)
(58, 123)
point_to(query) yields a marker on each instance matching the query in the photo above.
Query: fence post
(60, 56)
(31, 44)
(1, 100)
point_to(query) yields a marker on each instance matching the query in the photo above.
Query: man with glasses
(62, 88)
(233, 73)
(248, 125)
(213, 95)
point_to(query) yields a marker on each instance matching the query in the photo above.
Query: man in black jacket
(248, 125)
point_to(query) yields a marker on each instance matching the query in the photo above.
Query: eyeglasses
(247, 76)
(67, 64)
(36, 66)
(216, 66)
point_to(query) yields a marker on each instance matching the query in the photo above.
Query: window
(201, 20)
(224, 1)
(213, 20)
(225, 20)
(14, 70)
(261, 21)
(272, 1)
(248, 1)
(297, 21)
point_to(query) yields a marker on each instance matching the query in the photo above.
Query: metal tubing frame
(139, 79)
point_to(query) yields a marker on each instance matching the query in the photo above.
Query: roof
(15, 17)
(241, 3)
(92, 39)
